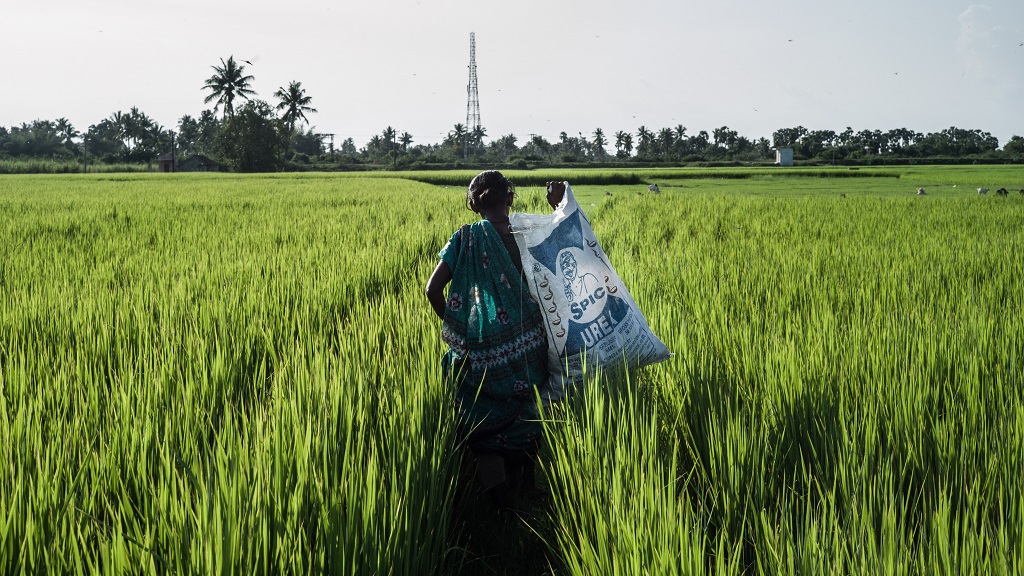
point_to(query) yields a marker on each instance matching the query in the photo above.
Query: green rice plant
(235, 373)
(607, 448)
(846, 391)
(213, 379)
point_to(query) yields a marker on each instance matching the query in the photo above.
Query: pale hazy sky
(544, 66)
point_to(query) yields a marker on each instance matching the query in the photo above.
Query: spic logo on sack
(595, 312)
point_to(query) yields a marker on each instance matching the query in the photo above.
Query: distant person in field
(497, 357)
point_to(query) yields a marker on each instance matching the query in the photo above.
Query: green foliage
(348, 146)
(228, 83)
(34, 166)
(239, 374)
(212, 377)
(293, 104)
(846, 392)
(197, 135)
(253, 139)
(38, 139)
(1014, 147)
(308, 143)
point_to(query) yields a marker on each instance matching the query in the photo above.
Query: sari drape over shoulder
(498, 347)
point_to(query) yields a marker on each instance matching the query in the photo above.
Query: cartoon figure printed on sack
(595, 311)
(577, 287)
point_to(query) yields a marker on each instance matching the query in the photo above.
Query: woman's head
(489, 189)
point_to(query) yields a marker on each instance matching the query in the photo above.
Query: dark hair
(489, 189)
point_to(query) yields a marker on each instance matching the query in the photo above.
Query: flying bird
(247, 62)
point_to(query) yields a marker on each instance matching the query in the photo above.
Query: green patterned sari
(498, 348)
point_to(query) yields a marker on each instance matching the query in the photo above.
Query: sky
(543, 66)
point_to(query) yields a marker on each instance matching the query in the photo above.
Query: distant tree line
(674, 145)
(251, 135)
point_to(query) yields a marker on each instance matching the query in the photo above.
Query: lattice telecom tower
(473, 105)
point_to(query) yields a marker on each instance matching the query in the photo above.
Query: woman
(495, 331)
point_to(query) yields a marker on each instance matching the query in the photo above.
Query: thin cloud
(974, 33)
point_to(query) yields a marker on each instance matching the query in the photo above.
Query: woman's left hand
(556, 191)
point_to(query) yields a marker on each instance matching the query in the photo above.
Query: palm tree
(643, 135)
(405, 139)
(643, 140)
(67, 132)
(505, 145)
(137, 127)
(373, 146)
(665, 141)
(475, 139)
(700, 142)
(457, 133)
(623, 144)
(151, 136)
(388, 140)
(295, 104)
(599, 143)
(125, 129)
(208, 126)
(119, 121)
(681, 140)
(188, 133)
(229, 82)
(478, 133)
(457, 137)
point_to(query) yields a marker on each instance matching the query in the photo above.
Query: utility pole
(85, 152)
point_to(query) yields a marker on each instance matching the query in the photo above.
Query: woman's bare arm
(439, 278)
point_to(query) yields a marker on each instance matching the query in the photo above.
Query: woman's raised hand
(556, 190)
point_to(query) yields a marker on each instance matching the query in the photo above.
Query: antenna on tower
(473, 105)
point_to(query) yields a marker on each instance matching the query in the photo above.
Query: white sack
(591, 319)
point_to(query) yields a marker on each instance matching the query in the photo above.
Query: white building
(784, 156)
